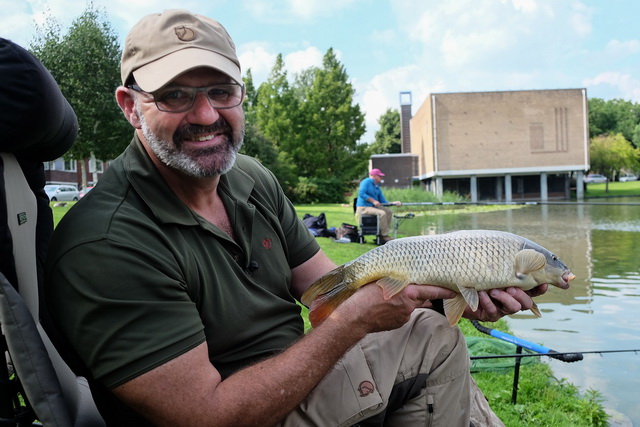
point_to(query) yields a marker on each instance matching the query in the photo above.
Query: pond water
(600, 242)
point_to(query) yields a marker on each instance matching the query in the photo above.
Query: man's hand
(501, 302)
(369, 308)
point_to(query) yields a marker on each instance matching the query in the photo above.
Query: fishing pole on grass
(565, 357)
(556, 355)
(514, 203)
(539, 350)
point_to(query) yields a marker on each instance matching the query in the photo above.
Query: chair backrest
(52, 393)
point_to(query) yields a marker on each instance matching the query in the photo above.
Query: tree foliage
(85, 62)
(388, 137)
(613, 117)
(612, 153)
(315, 125)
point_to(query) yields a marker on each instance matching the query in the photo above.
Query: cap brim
(153, 76)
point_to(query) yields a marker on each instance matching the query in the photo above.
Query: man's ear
(125, 100)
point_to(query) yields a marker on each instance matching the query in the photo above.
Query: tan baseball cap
(162, 46)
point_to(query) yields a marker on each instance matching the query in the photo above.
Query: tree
(86, 64)
(388, 138)
(611, 153)
(257, 145)
(333, 124)
(614, 116)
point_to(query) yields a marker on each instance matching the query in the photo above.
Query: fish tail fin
(323, 285)
(324, 305)
(534, 308)
(325, 294)
(454, 308)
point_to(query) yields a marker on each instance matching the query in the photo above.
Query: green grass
(615, 189)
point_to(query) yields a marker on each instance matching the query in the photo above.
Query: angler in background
(371, 201)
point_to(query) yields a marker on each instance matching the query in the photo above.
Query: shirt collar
(163, 202)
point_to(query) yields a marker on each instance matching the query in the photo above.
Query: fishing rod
(565, 357)
(515, 203)
(539, 350)
(556, 355)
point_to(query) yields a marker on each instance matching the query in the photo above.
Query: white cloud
(617, 48)
(303, 59)
(627, 85)
(383, 92)
(258, 58)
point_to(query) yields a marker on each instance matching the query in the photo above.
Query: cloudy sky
(420, 46)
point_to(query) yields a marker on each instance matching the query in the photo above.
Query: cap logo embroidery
(185, 34)
(366, 388)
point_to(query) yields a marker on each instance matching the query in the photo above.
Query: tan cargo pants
(422, 369)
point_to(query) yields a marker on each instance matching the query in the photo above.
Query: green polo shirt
(136, 278)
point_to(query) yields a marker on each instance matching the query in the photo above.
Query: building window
(95, 165)
(536, 135)
(61, 164)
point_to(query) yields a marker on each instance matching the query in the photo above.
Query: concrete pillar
(544, 189)
(508, 191)
(580, 186)
(474, 189)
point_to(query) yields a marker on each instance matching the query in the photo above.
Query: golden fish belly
(482, 265)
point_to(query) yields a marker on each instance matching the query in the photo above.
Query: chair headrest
(36, 121)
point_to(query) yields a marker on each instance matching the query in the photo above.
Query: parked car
(84, 191)
(628, 177)
(595, 178)
(62, 193)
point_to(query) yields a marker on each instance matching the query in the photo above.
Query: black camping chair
(367, 226)
(36, 124)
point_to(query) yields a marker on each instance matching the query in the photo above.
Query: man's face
(201, 142)
(376, 178)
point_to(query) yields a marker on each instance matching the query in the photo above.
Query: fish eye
(554, 257)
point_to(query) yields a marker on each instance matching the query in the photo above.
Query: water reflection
(601, 245)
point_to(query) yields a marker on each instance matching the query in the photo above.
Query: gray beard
(196, 163)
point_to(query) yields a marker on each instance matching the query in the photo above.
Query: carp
(465, 261)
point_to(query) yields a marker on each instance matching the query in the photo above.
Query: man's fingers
(429, 292)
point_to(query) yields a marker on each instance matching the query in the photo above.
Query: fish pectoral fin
(535, 310)
(391, 285)
(470, 295)
(454, 308)
(528, 260)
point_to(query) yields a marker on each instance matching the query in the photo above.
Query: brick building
(503, 146)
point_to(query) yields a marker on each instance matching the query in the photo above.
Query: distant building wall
(540, 134)
(399, 169)
(405, 122)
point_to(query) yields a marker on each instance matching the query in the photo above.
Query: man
(371, 201)
(175, 279)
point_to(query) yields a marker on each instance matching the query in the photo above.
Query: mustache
(191, 131)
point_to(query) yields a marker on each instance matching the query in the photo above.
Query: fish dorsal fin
(528, 260)
(392, 285)
(470, 295)
(454, 308)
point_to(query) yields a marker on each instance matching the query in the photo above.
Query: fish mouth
(566, 279)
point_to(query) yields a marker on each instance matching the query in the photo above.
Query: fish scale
(465, 261)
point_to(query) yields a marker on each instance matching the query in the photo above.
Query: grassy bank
(613, 189)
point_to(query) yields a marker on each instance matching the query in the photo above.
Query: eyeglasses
(178, 99)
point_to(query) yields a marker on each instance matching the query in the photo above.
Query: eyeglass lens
(181, 98)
